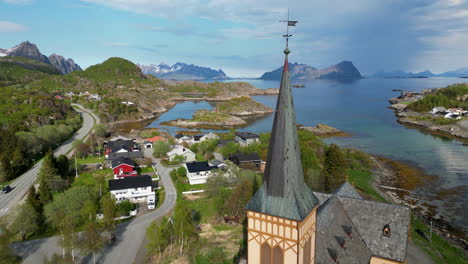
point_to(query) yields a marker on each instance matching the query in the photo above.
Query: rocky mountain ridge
(461, 72)
(182, 71)
(29, 50)
(344, 70)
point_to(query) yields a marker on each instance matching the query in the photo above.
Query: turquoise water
(360, 108)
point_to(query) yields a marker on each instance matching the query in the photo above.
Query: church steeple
(284, 192)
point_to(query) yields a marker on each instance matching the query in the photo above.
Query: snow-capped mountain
(182, 71)
(30, 50)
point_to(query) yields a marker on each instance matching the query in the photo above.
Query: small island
(440, 111)
(324, 131)
(226, 115)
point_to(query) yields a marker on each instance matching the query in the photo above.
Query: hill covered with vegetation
(452, 96)
(19, 70)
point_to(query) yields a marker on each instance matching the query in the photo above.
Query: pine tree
(45, 194)
(34, 199)
(334, 168)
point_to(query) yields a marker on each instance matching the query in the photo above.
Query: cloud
(6, 27)
(115, 44)
(397, 34)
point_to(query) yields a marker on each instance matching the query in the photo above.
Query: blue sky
(243, 37)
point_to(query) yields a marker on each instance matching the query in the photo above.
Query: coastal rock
(321, 130)
(230, 122)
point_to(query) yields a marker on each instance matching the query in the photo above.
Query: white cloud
(6, 26)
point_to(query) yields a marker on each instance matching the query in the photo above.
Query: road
(129, 235)
(22, 184)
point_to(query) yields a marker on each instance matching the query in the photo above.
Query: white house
(208, 136)
(181, 138)
(181, 151)
(199, 172)
(136, 189)
(246, 138)
(438, 110)
(96, 97)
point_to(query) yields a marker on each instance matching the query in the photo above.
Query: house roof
(119, 161)
(199, 166)
(155, 138)
(128, 149)
(119, 137)
(178, 136)
(128, 144)
(246, 135)
(130, 182)
(284, 193)
(197, 137)
(127, 155)
(246, 157)
(179, 150)
(217, 163)
(368, 218)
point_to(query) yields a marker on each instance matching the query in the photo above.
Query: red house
(123, 167)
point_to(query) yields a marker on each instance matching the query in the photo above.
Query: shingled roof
(367, 219)
(284, 193)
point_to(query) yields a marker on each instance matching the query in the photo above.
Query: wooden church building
(289, 223)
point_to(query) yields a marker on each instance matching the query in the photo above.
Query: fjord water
(360, 109)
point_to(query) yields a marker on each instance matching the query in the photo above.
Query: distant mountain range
(344, 70)
(182, 71)
(29, 50)
(462, 72)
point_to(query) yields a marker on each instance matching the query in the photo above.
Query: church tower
(282, 214)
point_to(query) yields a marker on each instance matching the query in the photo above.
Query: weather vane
(289, 23)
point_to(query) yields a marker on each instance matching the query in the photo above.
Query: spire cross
(289, 23)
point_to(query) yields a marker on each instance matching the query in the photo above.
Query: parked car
(6, 189)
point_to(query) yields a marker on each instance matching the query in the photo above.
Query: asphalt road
(130, 236)
(21, 185)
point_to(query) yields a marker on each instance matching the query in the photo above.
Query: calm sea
(360, 108)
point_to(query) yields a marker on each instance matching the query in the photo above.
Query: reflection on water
(360, 108)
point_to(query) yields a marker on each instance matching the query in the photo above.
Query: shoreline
(390, 180)
(454, 131)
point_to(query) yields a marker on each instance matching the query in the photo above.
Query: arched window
(277, 255)
(265, 254)
(386, 230)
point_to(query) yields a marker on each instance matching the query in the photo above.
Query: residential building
(123, 167)
(181, 151)
(438, 110)
(288, 223)
(246, 138)
(218, 164)
(119, 146)
(198, 172)
(181, 138)
(133, 155)
(135, 189)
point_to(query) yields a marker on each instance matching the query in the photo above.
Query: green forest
(452, 96)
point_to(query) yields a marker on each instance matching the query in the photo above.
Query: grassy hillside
(240, 105)
(19, 70)
(451, 96)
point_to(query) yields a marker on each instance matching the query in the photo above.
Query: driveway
(22, 184)
(130, 236)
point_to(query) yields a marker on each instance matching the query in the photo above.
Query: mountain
(402, 74)
(344, 70)
(63, 65)
(182, 71)
(462, 72)
(30, 50)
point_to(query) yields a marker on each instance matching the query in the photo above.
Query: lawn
(362, 180)
(89, 178)
(89, 160)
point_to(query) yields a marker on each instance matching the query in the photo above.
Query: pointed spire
(284, 192)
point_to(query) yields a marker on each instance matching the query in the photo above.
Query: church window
(277, 255)
(265, 254)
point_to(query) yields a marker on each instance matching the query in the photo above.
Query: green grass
(89, 160)
(439, 250)
(436, 120)
(89, 178)
(204, 206)
(161, 194)
(362, 180)
(210, 116)
(146, 169)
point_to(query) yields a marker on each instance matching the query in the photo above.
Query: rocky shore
(395, 181)
(458, 130)
(230, 122)
(321, 130)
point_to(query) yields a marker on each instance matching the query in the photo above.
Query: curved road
(130, 236)
(21, 185)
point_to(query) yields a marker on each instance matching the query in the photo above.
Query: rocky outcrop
(63, 65)
(228, 123)
(324, 131)
(344, 70)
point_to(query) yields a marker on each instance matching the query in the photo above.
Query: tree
(100, 130)
(334, 168)
(45, 194)
(6, 255)
(63, 165)
(238, 199)
(92, 241)
(160, 148)
(108, 209)
(179, 158)
(25, 220)
(158, 235)
(34, 199)
(184, 226)
(49, 174)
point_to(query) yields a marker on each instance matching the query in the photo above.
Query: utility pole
(76, 167)
(430, 234)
